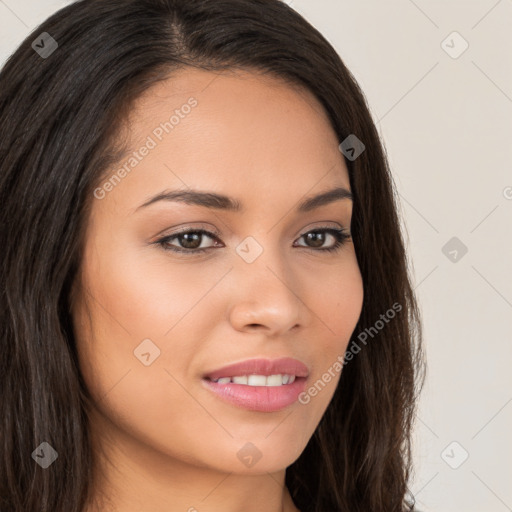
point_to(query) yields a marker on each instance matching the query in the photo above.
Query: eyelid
(218, 234)
(341, 236)
(191, 227)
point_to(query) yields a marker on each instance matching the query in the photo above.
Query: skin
(167, 443)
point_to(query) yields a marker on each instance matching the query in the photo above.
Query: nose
(266, 297)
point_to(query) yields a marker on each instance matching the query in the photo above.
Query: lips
(228, 383)
(267, 367)
(257, 398)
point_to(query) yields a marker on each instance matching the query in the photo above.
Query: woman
(205, 290)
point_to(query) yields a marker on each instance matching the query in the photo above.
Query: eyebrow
(221, 202)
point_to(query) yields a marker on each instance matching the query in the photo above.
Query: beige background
(446, 121)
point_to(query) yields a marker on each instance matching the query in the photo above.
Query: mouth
(259, 385)
(274, 371)
(258, 380)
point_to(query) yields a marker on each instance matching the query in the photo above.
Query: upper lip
(283, 366)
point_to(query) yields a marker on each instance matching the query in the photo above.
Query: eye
(339, 235)
(190, 240)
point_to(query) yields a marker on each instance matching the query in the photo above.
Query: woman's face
(154, 323)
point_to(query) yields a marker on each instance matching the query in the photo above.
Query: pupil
(187, 240)
(318, 238)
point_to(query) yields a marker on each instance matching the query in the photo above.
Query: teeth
(258, 380)
(274, 380)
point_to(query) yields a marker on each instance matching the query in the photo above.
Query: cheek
(337, 296)
(338, 308)
(143, 293)
(141, 400)
(347, 306)
(121, 329)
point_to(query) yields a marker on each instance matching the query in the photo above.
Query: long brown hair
(59, 118)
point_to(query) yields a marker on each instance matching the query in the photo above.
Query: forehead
(238, 132)
(239, 104)
(237, 87)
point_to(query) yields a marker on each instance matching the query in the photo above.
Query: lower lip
(258, 398)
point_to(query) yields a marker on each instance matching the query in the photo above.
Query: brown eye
(317, 237)
(190, 240)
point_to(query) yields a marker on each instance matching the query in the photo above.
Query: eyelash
(340, 235)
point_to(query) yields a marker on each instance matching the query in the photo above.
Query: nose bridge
(265, 291)
(261, 257)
